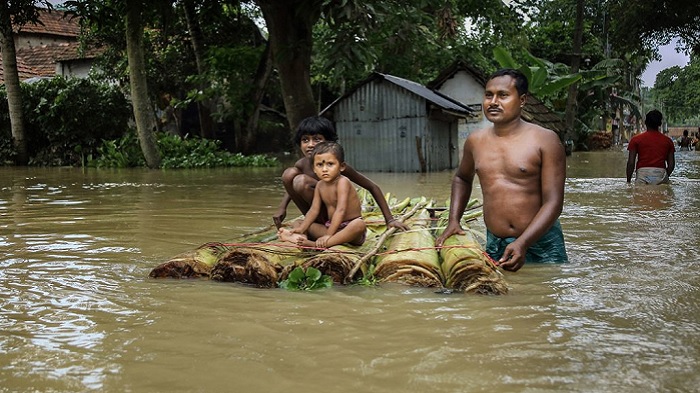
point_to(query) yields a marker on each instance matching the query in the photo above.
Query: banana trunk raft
(406, 257)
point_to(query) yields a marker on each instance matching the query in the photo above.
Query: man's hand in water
(513, 257)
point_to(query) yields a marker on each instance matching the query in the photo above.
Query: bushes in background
(76, 122)
(66, 119)
(176, 152)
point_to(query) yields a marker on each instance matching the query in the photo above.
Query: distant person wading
(651, 153)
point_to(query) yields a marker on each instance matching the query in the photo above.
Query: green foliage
(66, 119)
(176, 152)
(676, 93)
(413, 39)
(368, 280)
(232, 69)
(124, 152)
(311, 279)
(7, 151)
(654, 23)
(229, 43)
(204, 153)
(547, 80)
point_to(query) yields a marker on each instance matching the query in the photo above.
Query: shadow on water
(79, 314)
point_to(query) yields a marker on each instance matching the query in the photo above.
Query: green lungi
(550, 247)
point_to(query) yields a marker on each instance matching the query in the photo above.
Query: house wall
(378, 125)
(74, 68)
(467, 90)
(34, 40)
(441, 145)
(677, 132)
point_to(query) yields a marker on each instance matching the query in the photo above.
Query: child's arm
(281, 213)
(362, 181)
(287, 181)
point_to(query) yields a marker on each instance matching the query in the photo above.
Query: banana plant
(545, 78)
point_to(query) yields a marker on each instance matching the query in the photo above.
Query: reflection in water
(77, 312)
(652, 197)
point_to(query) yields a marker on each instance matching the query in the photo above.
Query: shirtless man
(337, 195)
(521, 168)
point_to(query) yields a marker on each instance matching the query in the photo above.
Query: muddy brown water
(78, 313)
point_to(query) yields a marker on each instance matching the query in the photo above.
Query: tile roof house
(51, 48)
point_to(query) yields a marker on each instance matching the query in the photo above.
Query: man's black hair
(653, 119)
(521, 83)
(315, 125)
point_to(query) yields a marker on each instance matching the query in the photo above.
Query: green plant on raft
(300, 280)
(368, 280)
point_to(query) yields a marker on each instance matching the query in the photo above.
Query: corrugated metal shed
(390, 124)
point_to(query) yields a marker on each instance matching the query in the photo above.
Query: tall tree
(125, 18)
(206, 124)
(290, 24)
(145, 122)
(15, 14)
(570, 114)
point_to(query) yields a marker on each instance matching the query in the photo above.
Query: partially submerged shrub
(176, 152)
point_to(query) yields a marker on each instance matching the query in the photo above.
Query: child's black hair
(315, 125)
(330, 147)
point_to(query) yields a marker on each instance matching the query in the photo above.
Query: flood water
(79, 314)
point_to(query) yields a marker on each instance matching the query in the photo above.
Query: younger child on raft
(300, 180)
(342, 204)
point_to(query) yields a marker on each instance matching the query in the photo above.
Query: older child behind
(300, 180)
(338, 194)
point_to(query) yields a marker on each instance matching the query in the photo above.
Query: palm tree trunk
(570, 115)
(14, 93)
(206, 123)
(145, 121)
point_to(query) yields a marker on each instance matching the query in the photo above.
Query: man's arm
(631, 161)
(552, 179)
(460, 194)
(670, 163)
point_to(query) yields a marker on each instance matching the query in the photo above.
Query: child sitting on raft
(300, 180)
(342, 204)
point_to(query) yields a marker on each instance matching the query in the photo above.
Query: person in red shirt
(651, 153)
